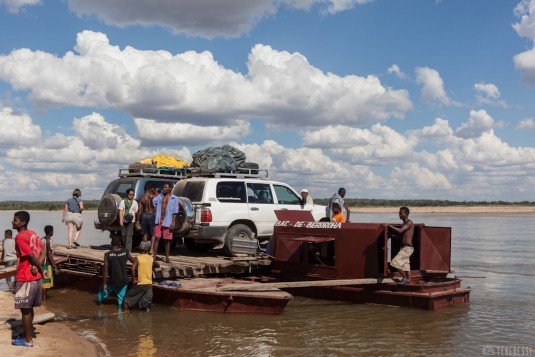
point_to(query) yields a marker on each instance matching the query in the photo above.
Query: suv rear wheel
(240, 239)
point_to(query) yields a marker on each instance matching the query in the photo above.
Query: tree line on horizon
(350, 202)
(372, 202)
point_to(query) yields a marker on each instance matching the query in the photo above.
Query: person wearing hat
(305, 197)
(141, 292)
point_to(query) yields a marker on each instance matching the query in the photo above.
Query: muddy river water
(493, 252)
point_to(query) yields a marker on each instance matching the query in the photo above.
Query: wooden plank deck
(89, 260)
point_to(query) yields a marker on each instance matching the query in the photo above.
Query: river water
(493, 252)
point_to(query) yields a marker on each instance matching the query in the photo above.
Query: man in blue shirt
(166, 205)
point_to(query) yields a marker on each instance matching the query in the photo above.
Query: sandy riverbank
(450, 209)
(51, 338)
(438, 209)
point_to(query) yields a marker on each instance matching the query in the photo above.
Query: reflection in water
(501, 312)
(146, 347)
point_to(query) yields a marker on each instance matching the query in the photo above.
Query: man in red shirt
(28, 293)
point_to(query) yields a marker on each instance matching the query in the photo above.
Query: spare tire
(185, 218)
(249, 168)
(108, 210)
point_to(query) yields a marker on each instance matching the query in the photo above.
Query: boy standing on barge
(402, 260)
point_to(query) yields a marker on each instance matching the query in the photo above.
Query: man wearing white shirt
(127, 217)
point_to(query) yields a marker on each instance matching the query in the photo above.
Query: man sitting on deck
(141, 291)
(402, 260)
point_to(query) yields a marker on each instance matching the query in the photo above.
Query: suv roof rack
(241, 173)
(166, 172)
(154, 172)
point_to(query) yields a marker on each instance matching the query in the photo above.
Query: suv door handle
(254, 208)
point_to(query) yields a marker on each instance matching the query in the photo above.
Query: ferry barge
(325, 251)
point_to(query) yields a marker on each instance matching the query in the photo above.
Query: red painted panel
(435, 248)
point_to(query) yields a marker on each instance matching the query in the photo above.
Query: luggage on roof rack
(194, 172)
(218, 159)
(159, 164)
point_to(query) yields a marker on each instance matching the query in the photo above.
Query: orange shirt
(339, 217)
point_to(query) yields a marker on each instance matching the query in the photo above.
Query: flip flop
(169, 283)
(21, 342)
(76, 244)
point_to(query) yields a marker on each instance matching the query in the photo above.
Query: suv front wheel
(240, 239)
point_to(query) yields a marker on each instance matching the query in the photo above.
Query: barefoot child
(49, 262)
(28, 293)
(9, 255)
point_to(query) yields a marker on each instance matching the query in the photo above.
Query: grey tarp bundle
(218, 159)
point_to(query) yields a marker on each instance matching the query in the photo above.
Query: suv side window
(259, 193)
(192, 190)
(285, 195)
(230, 192)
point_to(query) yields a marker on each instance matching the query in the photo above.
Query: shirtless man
(147, 214)
(166, 205)
(402, 260)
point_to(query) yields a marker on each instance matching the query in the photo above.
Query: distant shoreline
(413, 209)
(449, 209)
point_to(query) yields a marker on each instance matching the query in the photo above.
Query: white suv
(237, 212)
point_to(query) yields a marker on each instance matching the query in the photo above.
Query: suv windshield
(285, 195)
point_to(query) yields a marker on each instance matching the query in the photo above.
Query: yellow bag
(168, 161)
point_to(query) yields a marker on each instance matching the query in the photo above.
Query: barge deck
(196, 280)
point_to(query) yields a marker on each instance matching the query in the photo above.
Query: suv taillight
(206, 215)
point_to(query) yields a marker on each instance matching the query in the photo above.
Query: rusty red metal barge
(360, 252)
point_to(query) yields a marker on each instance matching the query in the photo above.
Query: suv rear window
(231, 192)
(193, 190)
(119, 187)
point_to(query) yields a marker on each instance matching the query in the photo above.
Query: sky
(416, 99)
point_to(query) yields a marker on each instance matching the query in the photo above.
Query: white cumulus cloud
(488, 93)
(153, 133)
(17, 128)
(432, 86)
(15, 6)
(394, 69)
(479, 122)
(378, 145)
(202, 18)
(281, 87)
(527, 123)
(525, 61)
